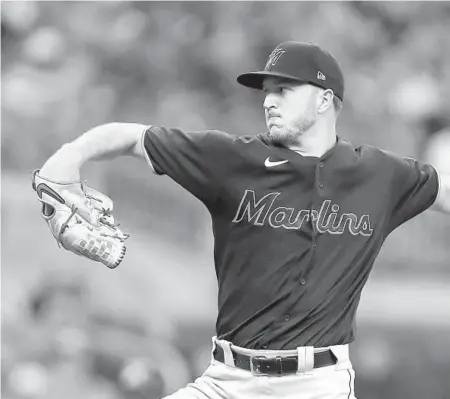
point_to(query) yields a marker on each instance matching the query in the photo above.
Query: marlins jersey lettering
(295, 236)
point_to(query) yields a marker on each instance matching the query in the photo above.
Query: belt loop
(227, 354)
(343, 358)
(301, 356)
(305, 356)
(309, 364)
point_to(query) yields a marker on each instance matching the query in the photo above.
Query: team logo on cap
(274, 57)
(321, 76)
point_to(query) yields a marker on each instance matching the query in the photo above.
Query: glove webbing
(65, 225)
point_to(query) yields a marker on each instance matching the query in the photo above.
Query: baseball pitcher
(298, 214)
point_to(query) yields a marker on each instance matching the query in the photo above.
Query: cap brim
(255, 80)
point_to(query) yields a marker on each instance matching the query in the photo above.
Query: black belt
(278, 365)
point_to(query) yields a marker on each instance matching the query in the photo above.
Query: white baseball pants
(224, 381)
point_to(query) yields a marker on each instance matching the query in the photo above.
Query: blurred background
(74, 329)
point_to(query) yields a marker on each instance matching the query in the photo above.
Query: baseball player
(298, 214)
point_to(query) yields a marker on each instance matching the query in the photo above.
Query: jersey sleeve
(192, 159)
(415, 187)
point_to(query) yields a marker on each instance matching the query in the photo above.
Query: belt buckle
(255, 369)
(273, 368)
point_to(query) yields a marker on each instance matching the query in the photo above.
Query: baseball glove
(80, 219)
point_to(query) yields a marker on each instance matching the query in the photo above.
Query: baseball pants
(225, 381)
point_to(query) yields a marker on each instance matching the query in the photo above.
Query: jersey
(295, 237)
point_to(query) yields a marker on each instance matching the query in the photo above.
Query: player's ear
(325, 100)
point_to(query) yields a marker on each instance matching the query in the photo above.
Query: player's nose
(270, 101)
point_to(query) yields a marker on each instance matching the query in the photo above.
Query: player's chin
(275, 129)
(277, 132)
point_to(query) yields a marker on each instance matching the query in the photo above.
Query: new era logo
(321, 76)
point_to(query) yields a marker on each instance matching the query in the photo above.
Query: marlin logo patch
(274, 57)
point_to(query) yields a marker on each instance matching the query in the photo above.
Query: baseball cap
(300, 61)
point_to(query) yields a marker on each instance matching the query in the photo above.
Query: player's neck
(316, 141)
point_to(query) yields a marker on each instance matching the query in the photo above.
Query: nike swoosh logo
(43, 188)
(270, 164)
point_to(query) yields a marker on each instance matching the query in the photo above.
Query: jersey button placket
(318, 177)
